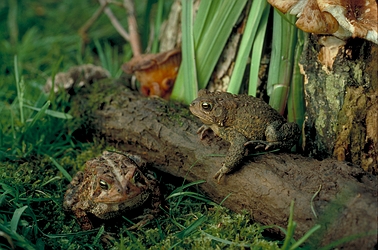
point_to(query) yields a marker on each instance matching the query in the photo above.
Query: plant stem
(133, 28)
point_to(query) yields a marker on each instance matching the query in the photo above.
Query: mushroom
(155, 72)
(341, 18)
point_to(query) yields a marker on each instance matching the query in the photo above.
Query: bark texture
(341, 83)
(165, 134)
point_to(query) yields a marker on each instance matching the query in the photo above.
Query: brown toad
(242, 120)
(110, 185)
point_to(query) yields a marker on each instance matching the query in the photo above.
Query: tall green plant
(213, 25)
(281, 61)
(257, 50)
(187, 74)
(258, 14)
(296, 107)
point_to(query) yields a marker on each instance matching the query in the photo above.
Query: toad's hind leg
(278, 135)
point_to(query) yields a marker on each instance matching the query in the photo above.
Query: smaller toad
(110, 185)
(242, 120)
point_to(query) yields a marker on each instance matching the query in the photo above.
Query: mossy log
(339, 196)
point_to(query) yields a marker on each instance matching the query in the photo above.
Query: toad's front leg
(234, 155)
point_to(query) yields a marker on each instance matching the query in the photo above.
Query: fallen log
(337, 195)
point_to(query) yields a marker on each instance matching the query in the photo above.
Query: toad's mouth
(135, 201)
(203, 117)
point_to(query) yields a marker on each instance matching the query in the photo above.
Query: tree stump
(341, 83)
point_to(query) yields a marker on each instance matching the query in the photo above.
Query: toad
(110, 185)
(242, 120)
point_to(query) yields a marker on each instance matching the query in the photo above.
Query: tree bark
(164, 133)
(341, 83)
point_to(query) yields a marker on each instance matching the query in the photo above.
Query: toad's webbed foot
(203, 131)
(257, 144)
(221, 172)
(144, 219)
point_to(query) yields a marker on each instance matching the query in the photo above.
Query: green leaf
(187, 76)
(213, 26)
(215, 37)
(205, 14)
(254, 18)
(257, 49)
(16, 217)
(281, 62)
(296, 103)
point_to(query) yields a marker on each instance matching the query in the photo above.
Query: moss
(176, 111)
(221, 228)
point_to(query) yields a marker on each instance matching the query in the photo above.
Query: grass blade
(20, 90)
(227, 242)
(290, 228)
(98, 235)
(52, 113)
(20, 241)
(53, 74)
(16, 217)
(179, 189)
(61, 169)
(101, 54)
(38, 116)
(254, 17)
(187, 231)
(312, 201)
(193, 195)
(305, 237)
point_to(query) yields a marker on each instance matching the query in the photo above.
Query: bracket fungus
(341, 18)
(155, 72)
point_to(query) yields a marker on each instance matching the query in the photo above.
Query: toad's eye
(206, 106)
(104, 185)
